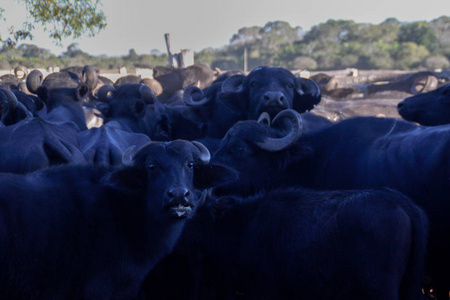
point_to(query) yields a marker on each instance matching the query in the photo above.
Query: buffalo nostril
(281, 99)
(178, 193)
(400, 105)
(266, 97)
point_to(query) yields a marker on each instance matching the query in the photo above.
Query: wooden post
(186, 58)
(172, 59)
(245, 61)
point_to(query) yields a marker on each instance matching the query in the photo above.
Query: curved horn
(278, 144)
(147, 94)
(194, 96)
(217, 71)
(233, 84)
(424, 83)
(127, 157)
(105, 93)
(153, 84)
(34, 81)
(10, 98)
(264, 119)
(21, 69)
(205, 156)
(89, 76)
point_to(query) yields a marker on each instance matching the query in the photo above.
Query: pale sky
(199, 24)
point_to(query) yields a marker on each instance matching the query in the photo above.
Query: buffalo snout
(179, 202)
(275, 99)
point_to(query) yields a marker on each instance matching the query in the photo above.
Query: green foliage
(410, 55)
(420, 33)
(60, 18)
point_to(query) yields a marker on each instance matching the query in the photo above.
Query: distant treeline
(334, 44)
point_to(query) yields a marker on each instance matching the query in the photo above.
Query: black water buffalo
(126, 104)
(164, 123)
(298, 244)
(38, 142)
(362, 152)
(431, 108)
(122, 109)
(85, 232)
(63, 94)
(241, 97)
(302, 244)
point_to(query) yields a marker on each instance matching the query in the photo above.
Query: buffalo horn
(193, 92)
(105, 92)
(127, 157)
(10, 98)
(89, 76)
(233, 84)
(205, 156)
(278, 144)
(147, 94)
(264, 119)
(22, 69)
(34, 80)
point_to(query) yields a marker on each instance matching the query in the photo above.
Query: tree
(338, 31)
(441, 28)
(34, 51)
(60, 18)
(246, 35)
(410, 55)
(419, 32)
(74, 51)
(132, 55)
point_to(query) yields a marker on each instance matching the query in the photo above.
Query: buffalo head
(258, 151)
(430, 109)
(170, 174)
(271, 90)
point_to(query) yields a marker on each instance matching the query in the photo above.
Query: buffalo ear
(307, 94)
(82, 91)
(209, 176)
(233, 84)
(125, 179)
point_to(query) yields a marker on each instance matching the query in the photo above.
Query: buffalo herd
(198, 185)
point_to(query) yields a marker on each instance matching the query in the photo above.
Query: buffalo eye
(190, 164)
(252, 84)
(152, 166)
(290, 85)
(238, 149)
